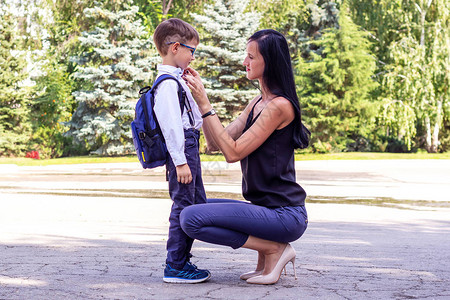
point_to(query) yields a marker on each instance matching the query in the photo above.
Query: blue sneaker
(191, 266)
(189, 274)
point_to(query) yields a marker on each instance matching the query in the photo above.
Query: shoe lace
(191, 264)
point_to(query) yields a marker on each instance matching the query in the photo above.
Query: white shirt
(168, 113)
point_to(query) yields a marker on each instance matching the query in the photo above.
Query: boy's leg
(179, 244)
(178, 268)
(178, 241)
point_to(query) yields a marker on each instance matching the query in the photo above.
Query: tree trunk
(435, 137)
(166, 5)
(423, 13)
(428, 134)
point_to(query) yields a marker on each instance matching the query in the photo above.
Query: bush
(52, 107)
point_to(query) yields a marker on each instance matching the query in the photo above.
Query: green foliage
(276, 13)
(415, 86)
(184, 9)
(444, 145)
(52, 106)
(386, 20)
(15, 127)
(102, 54)
(152, 12)
(69, 23)
(290, 17)
(117, 62)
(335, 87)
(226, 27)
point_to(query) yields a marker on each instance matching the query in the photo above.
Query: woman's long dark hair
(278, 76)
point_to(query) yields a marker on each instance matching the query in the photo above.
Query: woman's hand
(194, 82)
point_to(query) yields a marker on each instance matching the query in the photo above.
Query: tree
(323, 15)
(290, 17)
(50, 109)
(412, 43)
(335, 86)
(153, 12)
(225, 29)
(15, 126)
(386, 21)
(118, 61)
(415, 85)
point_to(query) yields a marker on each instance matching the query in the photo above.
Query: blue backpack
(148, 140)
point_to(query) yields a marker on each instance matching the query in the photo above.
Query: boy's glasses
(189, 47)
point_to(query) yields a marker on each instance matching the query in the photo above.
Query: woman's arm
(277, 114)
(234, 129)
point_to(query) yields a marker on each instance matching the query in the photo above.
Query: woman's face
(254, 62)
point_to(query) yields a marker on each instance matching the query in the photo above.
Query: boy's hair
(173, 30)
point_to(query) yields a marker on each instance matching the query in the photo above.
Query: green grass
(66, 160)
(371, 156)
(204, 157)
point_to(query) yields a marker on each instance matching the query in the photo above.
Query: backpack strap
(143, 92)
(188, 106)
(181, 96)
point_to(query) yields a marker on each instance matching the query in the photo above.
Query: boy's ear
(174, 47)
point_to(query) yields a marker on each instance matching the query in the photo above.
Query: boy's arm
(168, 113)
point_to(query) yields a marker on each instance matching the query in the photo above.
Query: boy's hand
(184, 175)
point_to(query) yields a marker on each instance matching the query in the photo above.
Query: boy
(176, 42)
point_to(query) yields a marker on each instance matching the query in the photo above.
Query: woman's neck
(266, 94)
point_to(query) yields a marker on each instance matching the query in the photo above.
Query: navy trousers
(179, 244)
(230, 222)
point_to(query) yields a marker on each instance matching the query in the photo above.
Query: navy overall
(179, 244)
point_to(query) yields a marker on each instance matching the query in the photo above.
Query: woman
(263, 138)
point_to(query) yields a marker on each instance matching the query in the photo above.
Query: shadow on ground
(335, 260)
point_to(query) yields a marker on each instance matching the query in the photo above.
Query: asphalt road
(377, 230)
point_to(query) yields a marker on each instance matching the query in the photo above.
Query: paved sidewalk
(93, 232)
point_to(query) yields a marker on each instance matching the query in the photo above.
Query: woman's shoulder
(250, 104)
(280, 100)
(282, 105)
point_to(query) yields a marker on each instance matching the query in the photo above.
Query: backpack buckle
(142, 135)
(145, 90)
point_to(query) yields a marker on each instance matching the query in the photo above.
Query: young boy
(176, 42)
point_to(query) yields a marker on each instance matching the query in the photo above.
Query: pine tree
(15, 127)
(334, 87)
(225, 28)
(117, 62)
(323, 15)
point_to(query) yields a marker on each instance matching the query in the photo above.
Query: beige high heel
(257, 272)
(251, 274)
(287, 256)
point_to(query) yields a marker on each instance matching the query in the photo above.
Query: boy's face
(184, 53)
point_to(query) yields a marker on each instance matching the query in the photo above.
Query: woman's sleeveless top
(268, 173)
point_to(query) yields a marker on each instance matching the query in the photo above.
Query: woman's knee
(188, 220)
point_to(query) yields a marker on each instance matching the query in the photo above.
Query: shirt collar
(174, 71)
